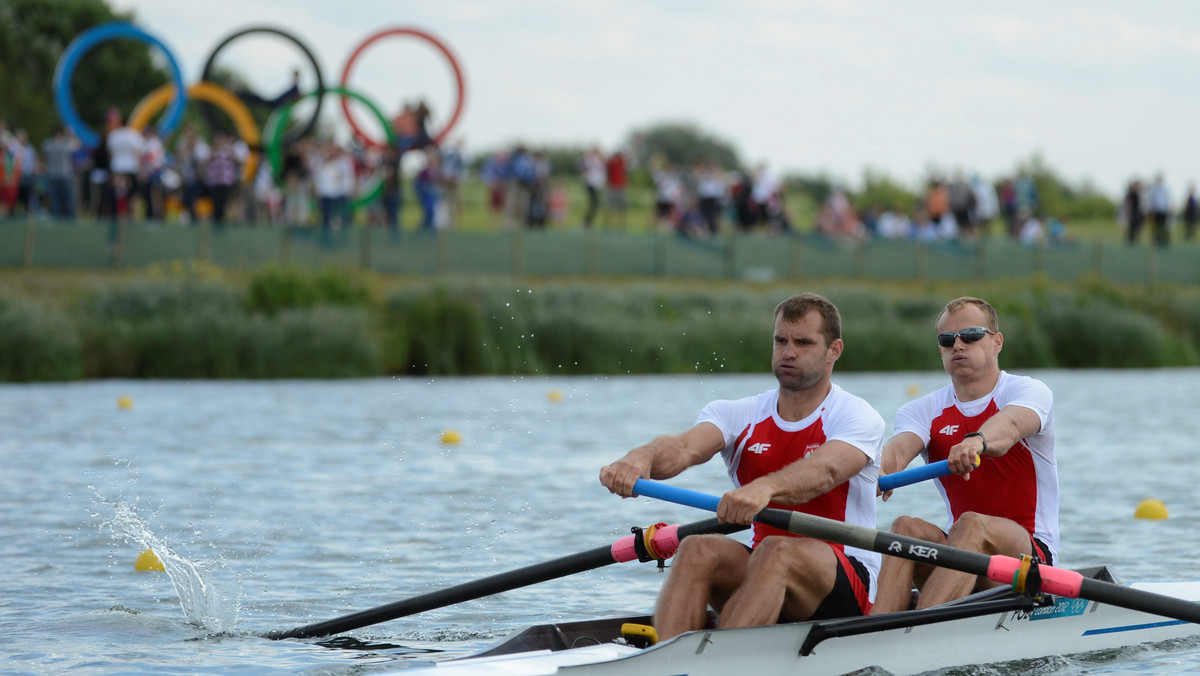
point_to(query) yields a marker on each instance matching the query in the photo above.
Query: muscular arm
(1002, 431)
(898, 452)
(663, 458)
(831, 465)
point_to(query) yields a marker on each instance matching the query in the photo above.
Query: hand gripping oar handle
(665, 540)
(1001, 569)
(933, 470)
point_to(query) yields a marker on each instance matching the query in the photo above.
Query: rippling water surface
(279, 504)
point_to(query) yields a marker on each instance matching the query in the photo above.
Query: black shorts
(850, 596)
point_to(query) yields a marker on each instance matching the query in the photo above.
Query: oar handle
(679, 496)
(933, 470)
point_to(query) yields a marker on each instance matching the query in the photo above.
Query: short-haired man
(807, 446)
(1009, 503)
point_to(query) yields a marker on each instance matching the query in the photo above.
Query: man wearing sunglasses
(806, 445)
(996, 430)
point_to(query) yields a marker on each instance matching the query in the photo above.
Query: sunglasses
(971, 335)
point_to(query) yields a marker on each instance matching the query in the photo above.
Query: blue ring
(80, 46)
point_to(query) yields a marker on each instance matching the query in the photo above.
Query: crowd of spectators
(133, 174)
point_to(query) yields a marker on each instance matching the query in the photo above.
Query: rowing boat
(997, 625)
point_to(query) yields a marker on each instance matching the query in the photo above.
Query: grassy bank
(202, 322)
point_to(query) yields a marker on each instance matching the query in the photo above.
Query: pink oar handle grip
(666, 541)
(1054, 580)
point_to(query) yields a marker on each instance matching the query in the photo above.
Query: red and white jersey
(1022, 484)
(759, 442)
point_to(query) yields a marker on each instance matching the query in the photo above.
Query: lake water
(278, 504)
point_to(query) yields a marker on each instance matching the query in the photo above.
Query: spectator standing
(1160, 209)
(539, 191)
(25, 167)
(1008, 206)
(426, 186)
(987, 204)
(493, 174)
(454, 169)
(330, 185)
(937, 202)
(220, 176)
(1131, 211)
(668, 196)
(593, 174)
(617, 179)
(519, 175)
(191, 156)
(154, 158)
(125, 148)
(60, 172)
(297, 182)
(962, 204)
(1191, 213)
(392, 196)
(710, 193)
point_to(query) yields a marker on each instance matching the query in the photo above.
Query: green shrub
(1101, 335)
(37, 343)
(275, 288)
(446, 333)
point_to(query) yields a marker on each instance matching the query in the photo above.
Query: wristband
(981, 438)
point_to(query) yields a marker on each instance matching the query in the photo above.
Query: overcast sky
(1103, 90)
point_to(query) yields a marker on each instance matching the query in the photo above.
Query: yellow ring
(215, 94)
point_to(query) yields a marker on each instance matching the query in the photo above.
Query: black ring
(293, 135)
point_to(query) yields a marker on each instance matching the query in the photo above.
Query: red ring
(440, 136)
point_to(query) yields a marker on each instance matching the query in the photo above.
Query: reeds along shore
(284, 323)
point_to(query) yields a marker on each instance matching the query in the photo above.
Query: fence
(603, 253)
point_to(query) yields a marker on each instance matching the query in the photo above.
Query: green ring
(279, 119)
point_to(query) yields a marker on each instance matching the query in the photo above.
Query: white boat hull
(1070, 626)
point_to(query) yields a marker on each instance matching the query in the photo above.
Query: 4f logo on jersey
(759, 448)
(949, 430)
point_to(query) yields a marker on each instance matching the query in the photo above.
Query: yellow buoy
(124, 402)
(555, 395)
(148, 560)
(913, 389)
(451, 437)
(1150, 509)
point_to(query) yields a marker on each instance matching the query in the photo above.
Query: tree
(883, 193)
(34, 34)
(1057, 198)
(682, 144)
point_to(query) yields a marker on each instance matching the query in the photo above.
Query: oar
(933, 470)
(1002, 569)
(664, 541)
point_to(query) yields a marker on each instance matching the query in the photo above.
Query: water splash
(202, 603)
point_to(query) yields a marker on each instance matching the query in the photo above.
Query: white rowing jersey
(1022, 484)
(758, 442)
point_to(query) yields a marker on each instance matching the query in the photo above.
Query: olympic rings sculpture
(278, 122)
(84, 42)
(210, 66)
(212, 93)
(178, 94)
(458, 78)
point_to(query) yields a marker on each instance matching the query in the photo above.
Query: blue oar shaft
(933, 470)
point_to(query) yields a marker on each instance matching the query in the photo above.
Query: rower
(807, 446)
(1008, 504)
